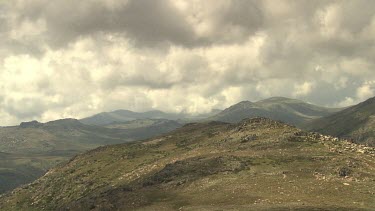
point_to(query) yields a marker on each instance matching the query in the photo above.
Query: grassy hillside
(29, 150)
(291, 111)
(356, 123)
(258, 164)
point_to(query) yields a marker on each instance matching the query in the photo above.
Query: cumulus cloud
(69, 58)
(303, 89)
(366, 90)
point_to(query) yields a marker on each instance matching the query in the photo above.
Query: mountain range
(291, 111)
(106, 118)
(257, 164)
(120, 116)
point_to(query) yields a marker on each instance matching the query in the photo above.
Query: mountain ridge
(356, 122)
(284, 109)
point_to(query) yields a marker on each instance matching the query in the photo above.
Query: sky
(69, 58)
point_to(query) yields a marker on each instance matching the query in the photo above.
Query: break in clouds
(68, 58)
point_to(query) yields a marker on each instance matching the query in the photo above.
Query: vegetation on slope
(356, 123)
(258, 164)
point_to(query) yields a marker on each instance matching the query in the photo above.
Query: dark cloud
(243, 13)
(25, 108)
(147, 22)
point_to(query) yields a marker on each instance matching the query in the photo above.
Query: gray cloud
(146, 22)
(75, 58)
(24, 108)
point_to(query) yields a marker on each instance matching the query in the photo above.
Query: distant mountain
(291, 111)
(143, 123)
(145, 128)
(28, 150)
(257, 164)
(35, 137)
(199, 117)
(356, 123)
(106, 118)
(120, 116)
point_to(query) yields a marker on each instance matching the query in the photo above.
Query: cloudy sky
(69, 58)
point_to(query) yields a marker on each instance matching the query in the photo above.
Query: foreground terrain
(257, 164)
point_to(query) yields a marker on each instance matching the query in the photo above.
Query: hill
(59, 135)
(291, 111)
(356, 123)
(32, 147)
(122, 116)
(257, 164)
(106, 118)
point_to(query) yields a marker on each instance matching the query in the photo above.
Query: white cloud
(329, 19)
(303, 89)
(366, 90)
(348, 101)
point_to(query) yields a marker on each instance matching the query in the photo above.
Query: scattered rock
(249, 138)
